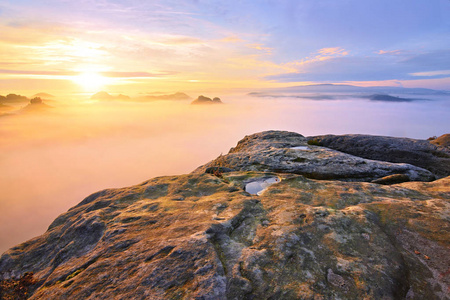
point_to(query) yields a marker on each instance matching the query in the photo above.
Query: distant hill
(36, 104)
(205, 100)
(102, 96)
(175, 96)
(351, 89)
(43, 95)
(13, 98)
(387, 98)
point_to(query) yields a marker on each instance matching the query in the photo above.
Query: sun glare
(91, 81)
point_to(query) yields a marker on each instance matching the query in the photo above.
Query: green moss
(314, 142)
(74, 274)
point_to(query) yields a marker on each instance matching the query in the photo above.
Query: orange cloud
(260, 47)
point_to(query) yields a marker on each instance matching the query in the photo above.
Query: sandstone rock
(392, 179)
(421, 153)
(212, 170)
(443, 140)
(201, 236)
(288, 152)
(301, 239)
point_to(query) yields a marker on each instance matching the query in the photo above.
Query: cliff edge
(275, 218)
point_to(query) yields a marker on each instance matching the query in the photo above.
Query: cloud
(137, 74)
(432, 73)
(393, 52)
(430, 61)
(261, 47)
(391, 65)
(182, 40)
(44, 73)
(321, 55)
(231, 39)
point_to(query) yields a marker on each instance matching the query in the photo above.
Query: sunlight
(91, 81)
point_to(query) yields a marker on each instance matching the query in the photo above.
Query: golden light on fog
(91, 81)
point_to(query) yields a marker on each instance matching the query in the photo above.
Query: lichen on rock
(203, 236)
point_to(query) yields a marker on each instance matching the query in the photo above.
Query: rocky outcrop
(206, 236)
(13, 98)
(443, 141)
(421, 153)
(205, 100)
(36, 105)
(288, 152)
(199, 236)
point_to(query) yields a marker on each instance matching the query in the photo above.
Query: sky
(136, 46)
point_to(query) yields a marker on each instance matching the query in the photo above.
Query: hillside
(277, 217)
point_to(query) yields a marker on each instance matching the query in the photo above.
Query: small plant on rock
(314, 142)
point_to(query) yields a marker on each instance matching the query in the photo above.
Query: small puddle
(300, 148)
(258, 186)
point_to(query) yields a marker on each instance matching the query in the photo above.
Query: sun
(91, 81)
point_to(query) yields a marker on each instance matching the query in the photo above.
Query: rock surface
(433, 156)
(201, 236)
(288, 152)
(443, 140)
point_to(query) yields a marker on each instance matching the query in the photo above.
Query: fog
(50, 161)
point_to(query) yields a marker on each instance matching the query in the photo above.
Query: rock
(212, 170)
(288, 152)
(392, 179)
(421, 153)
(205, 100)
(300, 239)
(443, 140)
(200, 236)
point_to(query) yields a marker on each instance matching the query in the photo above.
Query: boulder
(289, 152)
(198, 236)
(432, 156)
